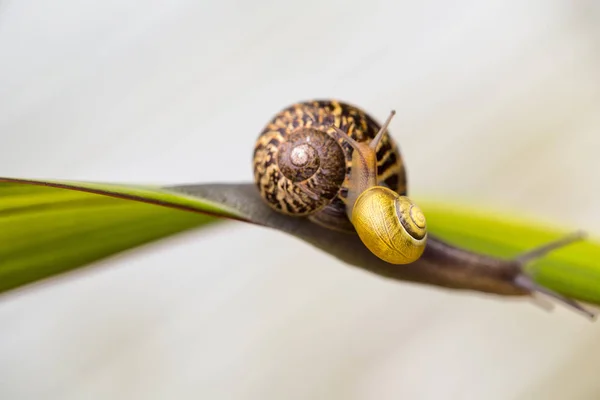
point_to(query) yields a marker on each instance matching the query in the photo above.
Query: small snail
(332, 162)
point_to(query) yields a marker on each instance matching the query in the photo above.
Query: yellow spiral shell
(391, 226)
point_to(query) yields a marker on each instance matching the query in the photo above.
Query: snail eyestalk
(541, 251)
(364, 163)
(375, 142)
(390, 225)
(526, 282)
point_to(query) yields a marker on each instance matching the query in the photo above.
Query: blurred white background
(497, 106)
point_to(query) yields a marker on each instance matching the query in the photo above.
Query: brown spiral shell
(301, 170)
(303, 173)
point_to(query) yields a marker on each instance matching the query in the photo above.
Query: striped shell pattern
(301, 170)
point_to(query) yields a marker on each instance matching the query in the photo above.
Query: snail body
(333, 163)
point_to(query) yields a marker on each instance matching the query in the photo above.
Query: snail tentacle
(524, 281)
(375, 142)
(541, 251)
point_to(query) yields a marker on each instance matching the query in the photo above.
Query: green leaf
(46, 231)
(50, 227)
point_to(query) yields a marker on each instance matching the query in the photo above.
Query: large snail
(333, 163)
